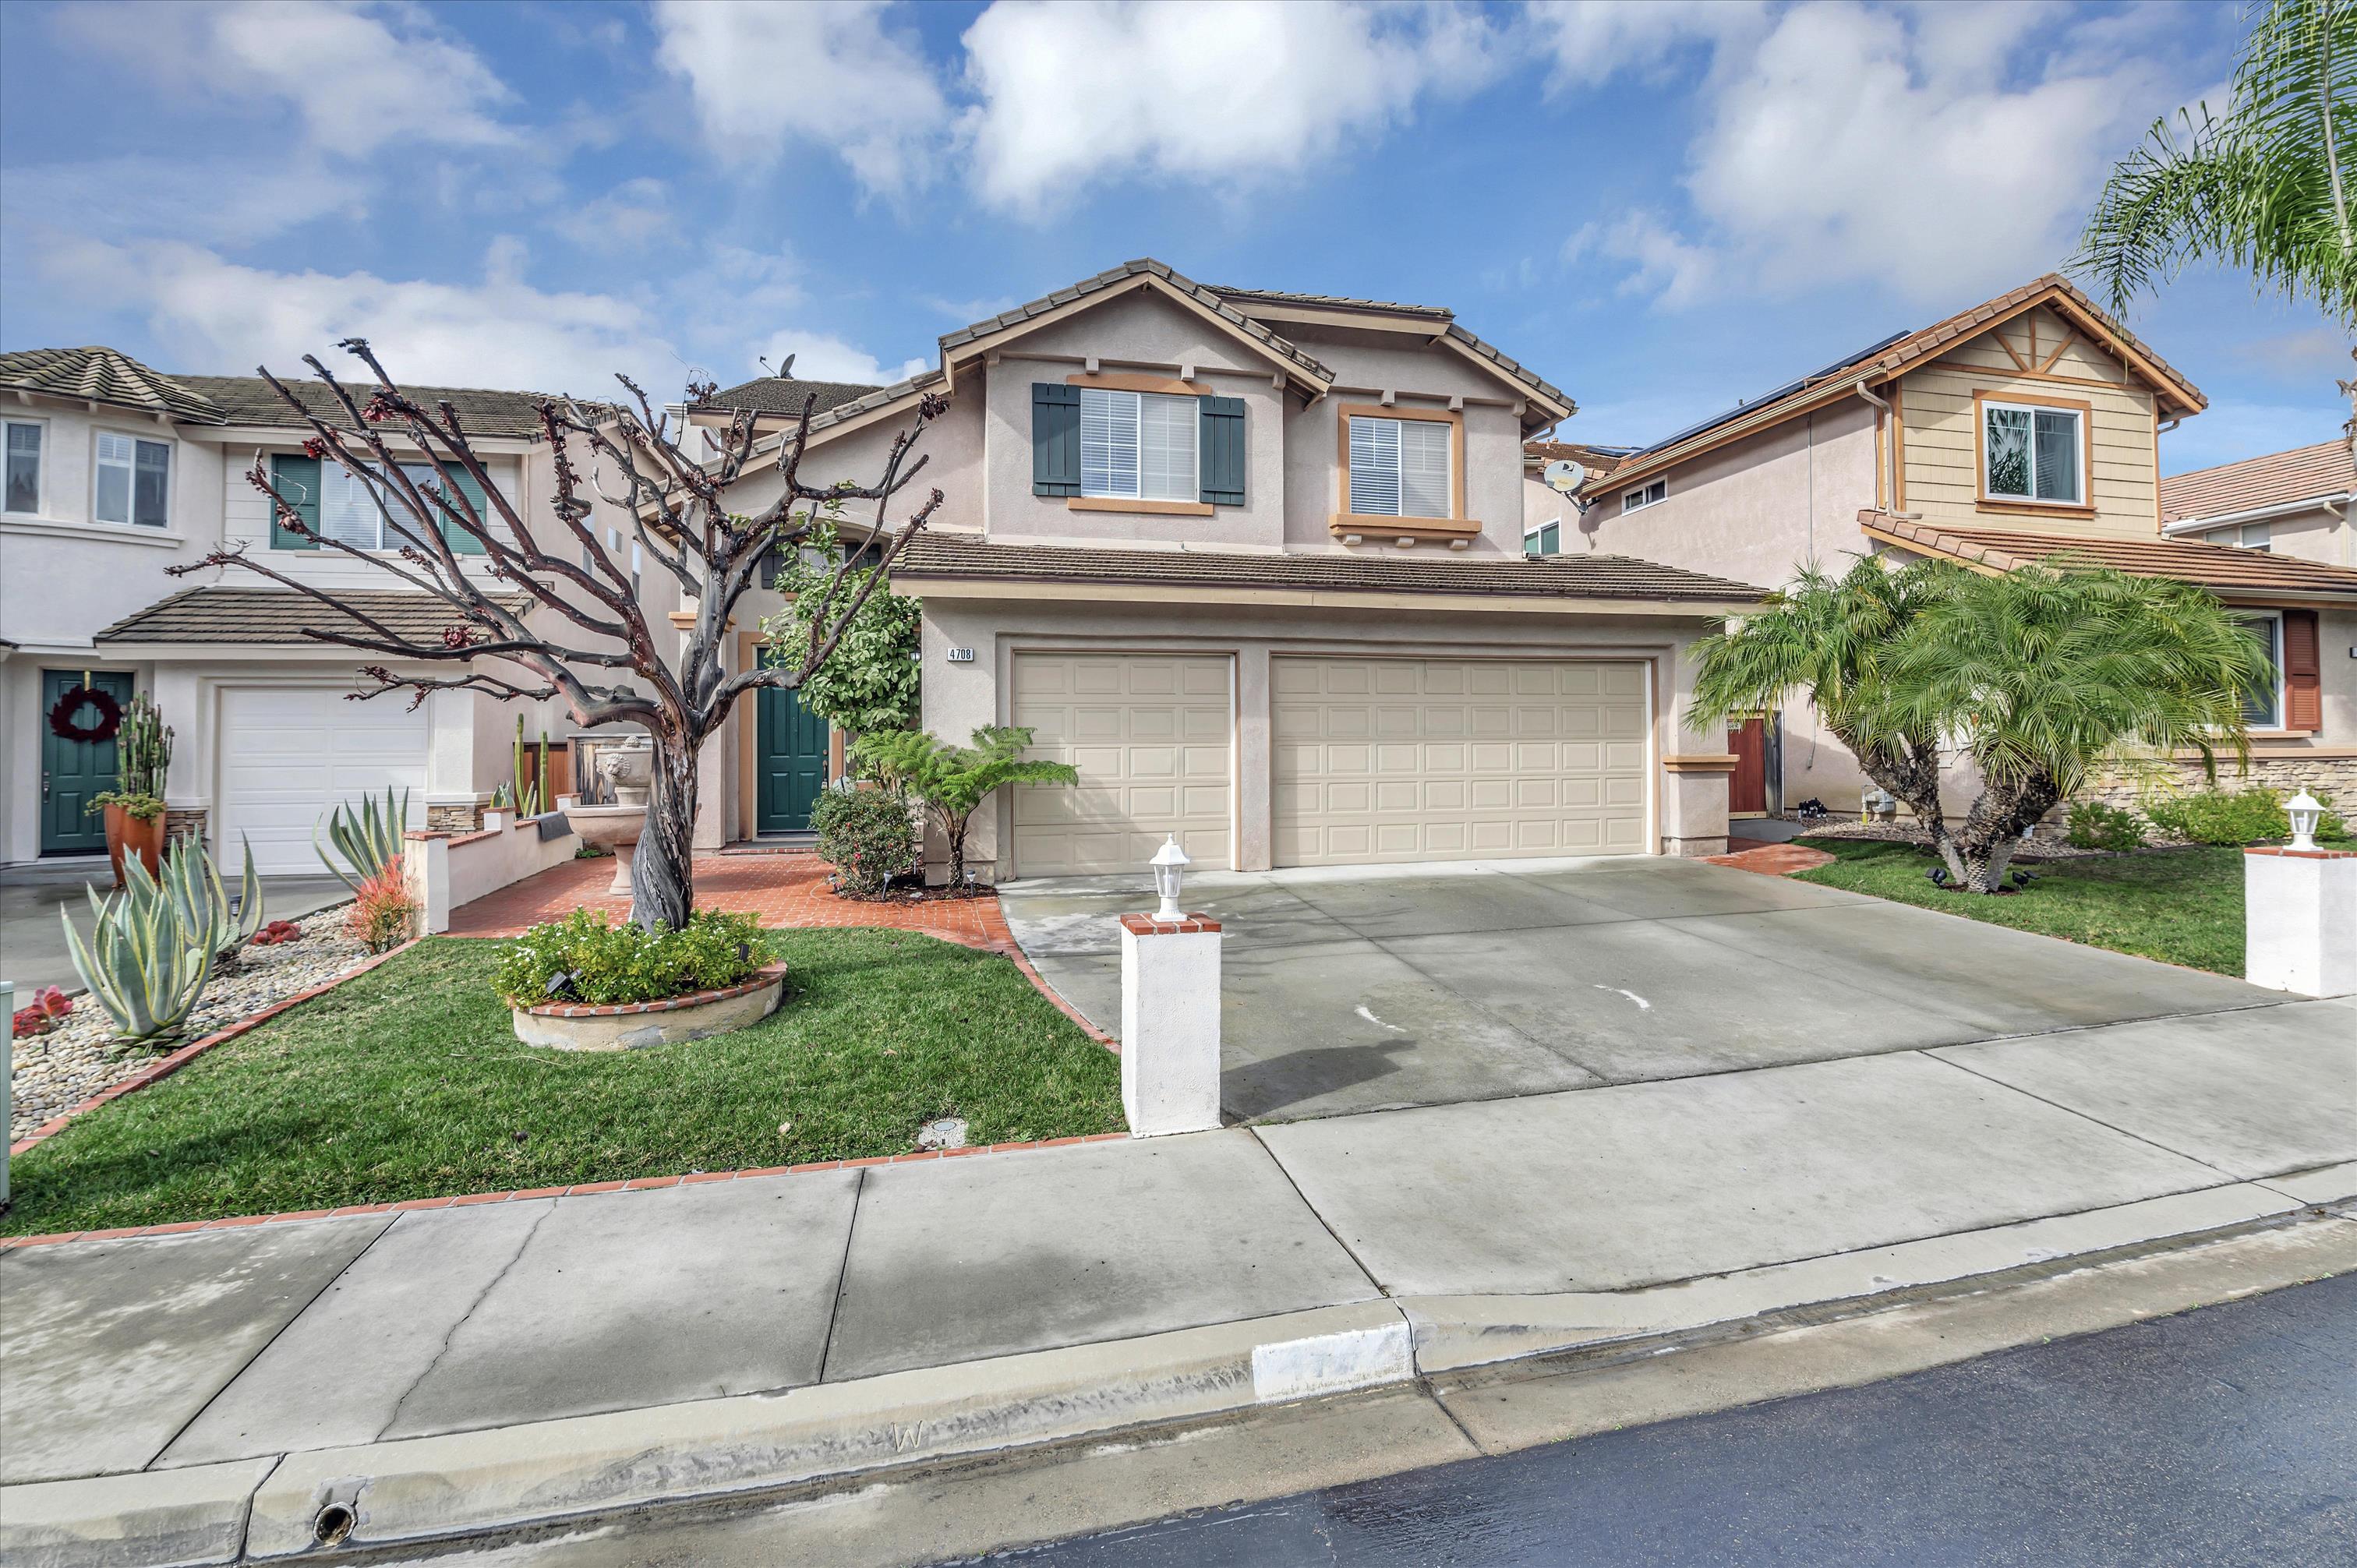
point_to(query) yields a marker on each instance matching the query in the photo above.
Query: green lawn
(2180, 906)
(409, 1082)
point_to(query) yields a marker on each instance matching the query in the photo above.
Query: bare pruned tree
(592, 646)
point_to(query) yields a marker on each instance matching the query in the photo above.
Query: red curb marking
(692, 1177)
(534, 1192)
(424, 1203)
(474, 1197)
(595, 1186)
(649, 1183)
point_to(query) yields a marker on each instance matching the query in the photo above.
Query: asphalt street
(2216, 1438)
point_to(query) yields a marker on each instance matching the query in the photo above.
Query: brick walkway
(1770, 859)
(782, 890)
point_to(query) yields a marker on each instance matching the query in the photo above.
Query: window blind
(1139, 445)
(1399, 467)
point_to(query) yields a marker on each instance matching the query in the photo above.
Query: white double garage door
(288, 754)
(1374, 759)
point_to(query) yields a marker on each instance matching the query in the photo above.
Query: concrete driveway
(1375, 988)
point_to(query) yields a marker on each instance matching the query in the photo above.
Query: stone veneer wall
(452, 819)
(184, 822)
(2333, 778)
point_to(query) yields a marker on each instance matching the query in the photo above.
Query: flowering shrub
(277, 931)
(868, 835)
(382, 910)
(584, 959)
(49, 1009)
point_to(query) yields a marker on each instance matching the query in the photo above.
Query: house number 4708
(961, 655)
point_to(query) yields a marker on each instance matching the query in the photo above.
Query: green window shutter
(297, 480)
(1223, 451)
(462, 543)
(1055, 439)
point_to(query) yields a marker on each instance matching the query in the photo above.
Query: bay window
(134, 480)
(2033, 453)
(1139, 445)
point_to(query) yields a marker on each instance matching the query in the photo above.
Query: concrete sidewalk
(438, 1372)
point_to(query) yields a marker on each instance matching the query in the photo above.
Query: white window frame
(2078, 417)
(2255, 536)
(422, 472)
(2274, 619)
(130, 495)
(41, 476)
(1535, 534)
(1653, 492)
(1398, 476)
(1135, 401)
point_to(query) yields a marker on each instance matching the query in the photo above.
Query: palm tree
(1830, 636)
(2262, 187)
(2040, 675)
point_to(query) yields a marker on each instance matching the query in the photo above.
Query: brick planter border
(191, 1052)
(767, 975)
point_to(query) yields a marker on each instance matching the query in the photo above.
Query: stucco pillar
(186, 704)
(1254, 761)
(956, 699)
(450, 762)
(1170, 1024)
(2299, 931)
(1695, 765)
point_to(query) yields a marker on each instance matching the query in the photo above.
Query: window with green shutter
(297, 479)
(1055, 439)
(462, 543)
(1222, 445)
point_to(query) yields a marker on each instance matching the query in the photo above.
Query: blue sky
(1662, 208)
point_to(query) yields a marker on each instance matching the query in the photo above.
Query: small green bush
(2094, 825)
(868, 835)
(2232, 817)
(603, 965)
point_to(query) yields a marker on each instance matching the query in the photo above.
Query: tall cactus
(369, 839)
(144, 743)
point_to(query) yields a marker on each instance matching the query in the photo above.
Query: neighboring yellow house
(2027, 424)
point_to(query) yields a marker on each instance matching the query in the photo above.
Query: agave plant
(367, 836)
(153, 944)
(201, 903)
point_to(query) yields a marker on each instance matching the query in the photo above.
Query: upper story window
(1139, 445)
(1399, 467)
(134, 480)
(21, 491)
(2256, 536)
(1546, 538)
(335, 505)
(1644, 496)
(2033, 453)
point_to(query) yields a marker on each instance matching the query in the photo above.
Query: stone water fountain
(628, 771)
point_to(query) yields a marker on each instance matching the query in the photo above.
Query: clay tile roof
(1208, 298)
(785, 394)
(482, 411)
(279, 615)
(1941, 336)
(102, 375)
(967, 556)
(1512, 370)
(2217, 566)
(2304, 473)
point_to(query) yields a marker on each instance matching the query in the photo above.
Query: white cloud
(1592, 41)
(360, 77)
(1902, 149)
(1671, 270)
(820, 358)
(624, 218)
(769, 73)
(1206, 92)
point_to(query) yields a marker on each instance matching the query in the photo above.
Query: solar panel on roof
(1787, 389)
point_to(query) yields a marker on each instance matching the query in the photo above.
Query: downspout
(1890, 453)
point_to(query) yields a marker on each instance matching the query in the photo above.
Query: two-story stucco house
(115, 472)
(2026, 425)
(1253, 563)
(2285, 503)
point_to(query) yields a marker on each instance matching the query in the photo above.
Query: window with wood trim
(2032, 453)
(1399, 467)
(1644, 496)
(1139, 445)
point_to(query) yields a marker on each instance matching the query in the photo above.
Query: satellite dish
(1564, 475)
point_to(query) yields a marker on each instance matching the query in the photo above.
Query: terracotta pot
(128, 835)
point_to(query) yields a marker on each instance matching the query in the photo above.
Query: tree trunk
(1912, 775)
(662, 872)
(956, 828)
(1978, 853)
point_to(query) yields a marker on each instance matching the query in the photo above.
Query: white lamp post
(1167, 863)
(2305, 811)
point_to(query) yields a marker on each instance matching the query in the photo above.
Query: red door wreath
(65, 721)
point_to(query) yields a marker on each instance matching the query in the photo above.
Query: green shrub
(2232, 817)
(868, 835)
(2094, 825)
(603, 965)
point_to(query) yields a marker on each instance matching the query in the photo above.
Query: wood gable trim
(980, 347)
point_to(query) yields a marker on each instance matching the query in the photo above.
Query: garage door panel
(1149, 735)
(290, 754)
(1500, 757)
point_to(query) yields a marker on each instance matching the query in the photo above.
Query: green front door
(73, 771)
(790, 763)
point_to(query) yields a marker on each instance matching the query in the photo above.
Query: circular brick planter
(632, 1026)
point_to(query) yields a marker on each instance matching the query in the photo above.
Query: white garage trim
(1157, 751)
(1381, 758)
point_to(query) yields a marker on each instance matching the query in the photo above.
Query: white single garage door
(1150, 733)
(288, 754)
(1400, 759)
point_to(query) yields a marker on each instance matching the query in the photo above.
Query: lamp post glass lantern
(2305, 811)
(1167, 863)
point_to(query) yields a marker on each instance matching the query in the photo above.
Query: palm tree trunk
(1979, 853)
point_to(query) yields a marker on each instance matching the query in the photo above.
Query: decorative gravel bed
(73, 1061)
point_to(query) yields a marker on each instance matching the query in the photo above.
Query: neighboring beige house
(2027, 426)
(2286, 503)
(1254, 561)
(115, 472)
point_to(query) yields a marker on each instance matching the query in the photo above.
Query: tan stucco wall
(2309, 535)
(1689, 809)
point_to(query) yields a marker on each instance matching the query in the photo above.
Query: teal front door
(790, 765)
(74, 771)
